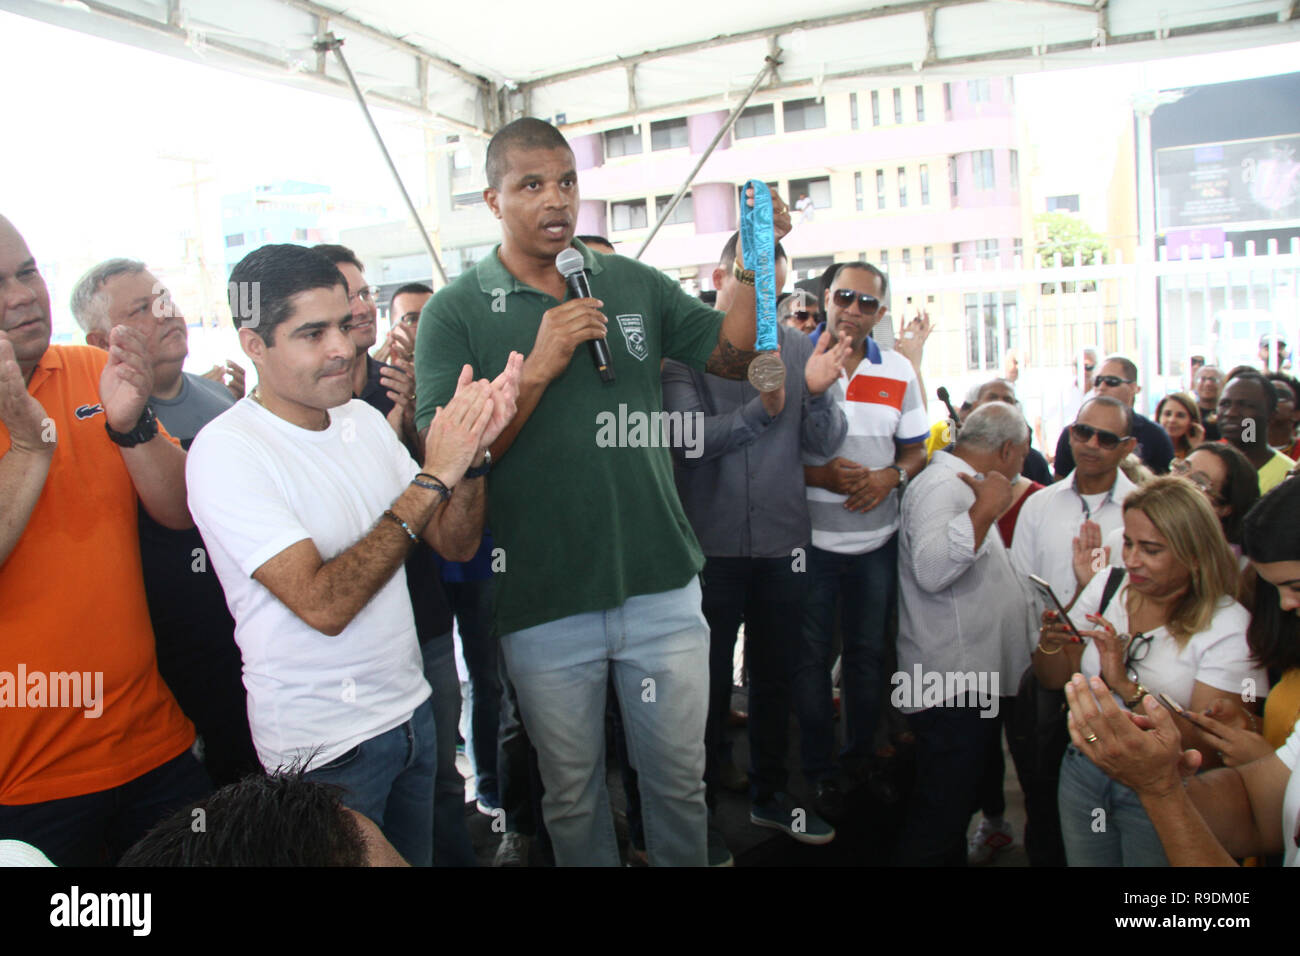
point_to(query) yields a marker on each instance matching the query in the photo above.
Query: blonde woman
(1173, 628)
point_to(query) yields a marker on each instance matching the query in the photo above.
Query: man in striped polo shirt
(853, 500)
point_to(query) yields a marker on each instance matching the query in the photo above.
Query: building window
(236, 239)
(818, 190)
(627, 215)
(623, 142)
(902, 186)
(925, 184)
(684, 211)
(986, 248)
(952, 178)
(1018, 248)
(1011, 89)
(756, 121)
(983, 320)
(920, 104)
(898, 106)
(803, 114)
(1015, 169)
(875, 107)
(472, 198)
(977, 91)
(853, 110)
(668, 134)
(857, 191)
(810, 267)
(929, 258)
(884, 260)
(1063, 203)
(947, 97)
(982, 163)
(880, 189)
(907, 260)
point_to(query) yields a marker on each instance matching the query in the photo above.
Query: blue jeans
(451, 843)
(471, 602)
(1120, 835)
(657, 647)
(95, 829)
(389, 778)
(867, 585)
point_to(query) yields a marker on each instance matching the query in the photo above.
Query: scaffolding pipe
(770, 63)
(331, 42)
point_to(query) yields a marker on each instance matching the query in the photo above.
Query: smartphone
(1047, 592)
(1172, 704)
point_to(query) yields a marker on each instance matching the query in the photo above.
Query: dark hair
(278, 819)
(277, 273)
(1269, 535)
(828, 277)
(1288, 381)
(1183, 444)
(1248, 374)
(728, 258)
(527, 132)
(339, 254)
(411, 288)
(1110, 401)
(1240, 490)
(600, 240)
(1130, 370)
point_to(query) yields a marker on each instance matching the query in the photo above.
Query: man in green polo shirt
(598, 562)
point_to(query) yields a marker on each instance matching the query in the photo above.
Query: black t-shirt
(432, 612)
(1153, 447)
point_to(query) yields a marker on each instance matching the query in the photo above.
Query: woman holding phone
(1173, 627)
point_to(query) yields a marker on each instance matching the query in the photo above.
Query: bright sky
(83, 178)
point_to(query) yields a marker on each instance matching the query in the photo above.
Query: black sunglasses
(802, 315)
(1110, 381)
(1105, 439)
(845, 297)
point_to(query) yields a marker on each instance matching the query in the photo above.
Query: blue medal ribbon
(758, 249)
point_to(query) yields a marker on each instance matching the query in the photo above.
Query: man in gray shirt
(193, 629)
(740, 487)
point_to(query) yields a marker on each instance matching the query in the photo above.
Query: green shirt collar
(492, 273)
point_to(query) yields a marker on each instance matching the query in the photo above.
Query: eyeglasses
(845, 298)
(803, 315)
(1087, 369)
(1181, 469)
(366, 294)
(1110, 381)
(1139, 646)
(1105, 439)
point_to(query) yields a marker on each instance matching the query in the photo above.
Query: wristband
(432, 483)
(390, 513)
(146, 427)
(482, 469)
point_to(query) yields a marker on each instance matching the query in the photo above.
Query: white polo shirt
(882, 402)
(1049, 522)
(1289, 754)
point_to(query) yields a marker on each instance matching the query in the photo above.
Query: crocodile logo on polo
(634, 334)
(88, 411)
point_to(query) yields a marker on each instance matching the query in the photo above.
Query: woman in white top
(1174, 628)
(1246, 810)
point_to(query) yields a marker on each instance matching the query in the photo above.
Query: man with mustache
(310, 505)
(80, 785)
(193, 629)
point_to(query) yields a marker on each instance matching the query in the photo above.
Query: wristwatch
(482, 469)
(145, 429)
(903, 477)
(743, 275)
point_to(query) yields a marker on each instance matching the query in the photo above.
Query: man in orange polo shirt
(94, 749)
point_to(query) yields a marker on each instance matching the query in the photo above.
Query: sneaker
(719, 855)
(513, 850)
(828, 800)
(731, 777)
(988, 840)
(801, 823)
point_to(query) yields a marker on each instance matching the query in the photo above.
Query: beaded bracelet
(390, 513)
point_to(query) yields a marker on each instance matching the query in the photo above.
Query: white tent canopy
(597, 63)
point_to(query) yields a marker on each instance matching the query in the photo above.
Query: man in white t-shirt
(309, 505)
(853, 501)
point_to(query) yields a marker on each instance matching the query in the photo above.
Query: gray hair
(991, 426)
(88, 305)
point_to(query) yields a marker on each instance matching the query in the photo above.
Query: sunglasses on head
(1105, 439)
(844, 298)
(1110, 381)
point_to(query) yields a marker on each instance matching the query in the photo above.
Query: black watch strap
(482, 469)
(145, 429)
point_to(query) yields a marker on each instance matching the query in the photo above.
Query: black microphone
(569, 262)
(952, 412)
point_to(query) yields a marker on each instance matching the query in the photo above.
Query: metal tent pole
(770, 64)
(331, 42)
